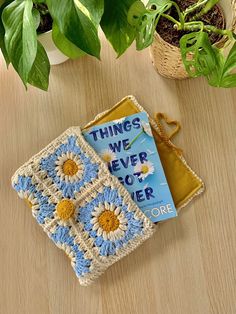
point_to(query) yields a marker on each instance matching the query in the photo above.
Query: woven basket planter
(167, 59)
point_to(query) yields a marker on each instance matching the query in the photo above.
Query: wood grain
(188, 267)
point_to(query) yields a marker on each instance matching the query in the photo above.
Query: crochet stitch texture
(80, 205)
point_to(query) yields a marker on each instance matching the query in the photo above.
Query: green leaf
(77, 23)
(209, 5)
(115, 25)
(39, 74)
(146, 29)
(36, 16)
(230, 62)
(214, 76)
(2, 33)
(199, 57)
(136, 10)
(94, 8)
(223, 76)
(159, 5)
(229, 81)
(20, 36)
(63, 44)
(2, 44)
(145, 20)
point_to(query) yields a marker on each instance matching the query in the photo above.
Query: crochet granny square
(83, 208)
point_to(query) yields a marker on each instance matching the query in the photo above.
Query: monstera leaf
(145, 20)
(199, 57)
(159, 5)
(136, 11)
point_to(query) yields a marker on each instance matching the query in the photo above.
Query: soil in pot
(45, 24)
(166, 30)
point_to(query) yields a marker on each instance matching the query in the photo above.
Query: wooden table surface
(188, 266)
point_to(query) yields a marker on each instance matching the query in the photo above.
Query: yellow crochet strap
(159, 117)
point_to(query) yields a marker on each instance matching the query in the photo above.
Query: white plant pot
(55, 56)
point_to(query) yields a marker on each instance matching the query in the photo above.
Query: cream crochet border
(99, 263)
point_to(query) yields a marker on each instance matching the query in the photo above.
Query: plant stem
(193, 7)
(136, 137)
(211, 28)
(170, 18)
(209, 5)
(195, 26)
(180, 14)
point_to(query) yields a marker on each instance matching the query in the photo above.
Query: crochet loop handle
(159, 117)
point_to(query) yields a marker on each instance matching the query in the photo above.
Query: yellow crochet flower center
(144, 169)
(108, 221)
(65, 209)
(106, 157)
(70, 167)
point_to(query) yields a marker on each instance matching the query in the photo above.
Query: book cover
(128, 148)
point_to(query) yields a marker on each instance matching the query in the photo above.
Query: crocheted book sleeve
(80, 205)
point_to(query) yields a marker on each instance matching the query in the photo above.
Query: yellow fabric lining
(183, 182)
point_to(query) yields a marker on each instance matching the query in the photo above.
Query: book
(127, 146)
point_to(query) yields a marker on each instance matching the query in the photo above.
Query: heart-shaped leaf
(78, 22)
(115, 25)
(3, 4)
(20, 36)
(63, 44)
(94, 8)
(39, 73)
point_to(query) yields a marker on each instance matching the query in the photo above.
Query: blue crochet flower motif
(122, 223)
(62, 236)
(69, 187)
(44, 209)
(26, 189)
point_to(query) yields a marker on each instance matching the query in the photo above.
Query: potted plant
(188, 38)
(31, 29)
(44, 32)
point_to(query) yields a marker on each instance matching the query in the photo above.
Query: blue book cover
(128, 147)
